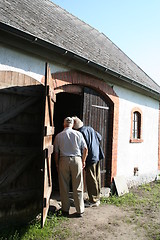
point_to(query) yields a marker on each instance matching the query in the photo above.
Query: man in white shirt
(70, 156)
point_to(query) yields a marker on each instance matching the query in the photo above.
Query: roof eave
(38, 41)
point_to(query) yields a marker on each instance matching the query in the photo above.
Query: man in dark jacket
(95, 153)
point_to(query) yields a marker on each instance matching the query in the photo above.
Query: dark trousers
(93, 182)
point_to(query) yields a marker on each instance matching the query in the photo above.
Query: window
(136, 125)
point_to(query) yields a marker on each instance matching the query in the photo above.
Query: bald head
(68, 122)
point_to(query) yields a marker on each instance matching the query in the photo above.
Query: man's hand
(84, 156)
(83, 164)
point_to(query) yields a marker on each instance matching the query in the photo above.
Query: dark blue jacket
(93, 139)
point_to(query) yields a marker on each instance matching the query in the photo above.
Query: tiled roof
(47, 21)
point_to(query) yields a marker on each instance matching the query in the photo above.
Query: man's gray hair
(68, 121)
(77, 123)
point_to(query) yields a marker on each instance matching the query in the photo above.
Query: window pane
(136, 125)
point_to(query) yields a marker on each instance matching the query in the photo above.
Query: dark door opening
(95, 111)
(66, 105)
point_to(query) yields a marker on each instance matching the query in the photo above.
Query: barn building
(54, 65)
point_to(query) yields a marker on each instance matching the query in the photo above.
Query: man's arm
(98, 136)
(84, 156)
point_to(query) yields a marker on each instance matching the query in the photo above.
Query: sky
(133, 25)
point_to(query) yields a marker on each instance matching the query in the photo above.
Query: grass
(144, 203)
(134, 199)
(125, 200)
(33, 231)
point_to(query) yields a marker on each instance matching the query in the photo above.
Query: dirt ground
(104, 222)
(112, 222)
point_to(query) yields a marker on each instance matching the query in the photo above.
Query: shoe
(96, 204)
(89, 204)
(86, 200)
(79, 215)
(60, 212)
(65, 214)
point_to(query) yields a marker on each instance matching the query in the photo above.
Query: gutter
(38, 41)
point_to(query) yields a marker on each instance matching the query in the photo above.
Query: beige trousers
(71, 168)
(93, 182)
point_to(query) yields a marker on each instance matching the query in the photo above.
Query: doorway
(67, 105)
(94, 110)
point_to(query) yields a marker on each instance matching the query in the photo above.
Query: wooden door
(47, 142)
(95, 114)
(21, 102)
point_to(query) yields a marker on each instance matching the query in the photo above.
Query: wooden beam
(49, 172)
(18, 150)
(15, 170)
(15, 110)
(19, 129)
(34, 91)
(52, 95)
(48, 151)
(19, 196)
(50, 110)
(49, 130)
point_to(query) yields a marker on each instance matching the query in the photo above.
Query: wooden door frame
(63, 81)
(48, 132)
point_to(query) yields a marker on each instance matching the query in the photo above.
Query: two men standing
(74, 151)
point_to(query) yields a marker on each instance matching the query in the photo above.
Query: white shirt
(69, 142)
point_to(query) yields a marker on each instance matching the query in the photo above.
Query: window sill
(136, 140)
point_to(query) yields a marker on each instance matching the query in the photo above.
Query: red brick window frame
(136, 126)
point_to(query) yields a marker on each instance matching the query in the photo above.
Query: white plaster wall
(142, 155)
(12, 59)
